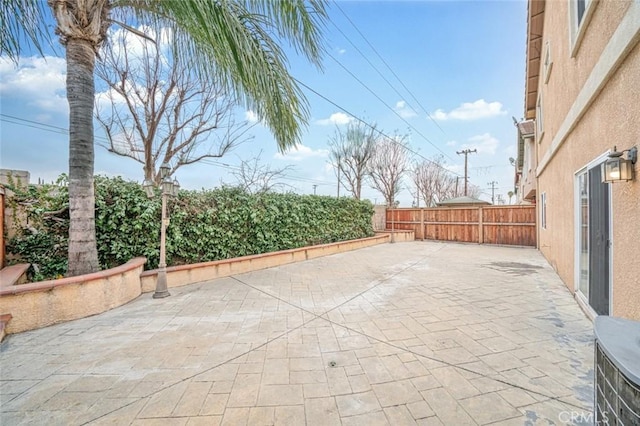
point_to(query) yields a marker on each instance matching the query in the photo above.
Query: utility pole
(314, 189)
(338, 181)
(493, 184)
(466, 152)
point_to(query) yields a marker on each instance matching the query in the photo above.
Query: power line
(290, 177)
(41, 126)
(388, 67)
(391, 109)
(61, 130)
(355, 117)
(372, 65)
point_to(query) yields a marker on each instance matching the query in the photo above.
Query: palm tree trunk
(83, 253)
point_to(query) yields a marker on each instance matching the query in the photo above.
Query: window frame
(577, 27)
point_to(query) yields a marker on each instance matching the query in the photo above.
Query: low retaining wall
(188, 274)
(44, 303)
(30, 306)
(398, 236)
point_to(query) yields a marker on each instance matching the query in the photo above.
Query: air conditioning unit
(617, 371)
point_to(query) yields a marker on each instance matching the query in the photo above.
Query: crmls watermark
(582, 418)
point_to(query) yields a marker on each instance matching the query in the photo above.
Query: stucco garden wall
(43, 303)
(30, 306)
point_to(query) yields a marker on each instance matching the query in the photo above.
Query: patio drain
(332, 364)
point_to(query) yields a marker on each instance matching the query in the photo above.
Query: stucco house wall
(590, 103)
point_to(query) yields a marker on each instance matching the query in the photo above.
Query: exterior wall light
(618, 169)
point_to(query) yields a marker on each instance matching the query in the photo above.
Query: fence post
(422, 223)
(392, 229)
(480, 227)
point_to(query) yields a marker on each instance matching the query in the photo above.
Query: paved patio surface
(426, 333)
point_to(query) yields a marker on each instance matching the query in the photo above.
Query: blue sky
(462, 63)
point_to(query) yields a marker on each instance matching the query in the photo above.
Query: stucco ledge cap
(80, 279)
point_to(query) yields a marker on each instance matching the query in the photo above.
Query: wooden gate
(509, 225)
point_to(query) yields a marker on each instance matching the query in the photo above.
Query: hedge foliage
(205, 225)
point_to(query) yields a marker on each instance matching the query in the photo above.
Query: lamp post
(169, 188)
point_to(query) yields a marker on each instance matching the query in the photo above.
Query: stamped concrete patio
(426, 333)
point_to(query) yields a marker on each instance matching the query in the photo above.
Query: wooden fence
(509, 225)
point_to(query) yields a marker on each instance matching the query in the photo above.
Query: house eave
(535, 23)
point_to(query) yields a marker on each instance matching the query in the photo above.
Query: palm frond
(240, 43)
(23, 25)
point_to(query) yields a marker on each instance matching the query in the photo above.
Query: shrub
(204, 225)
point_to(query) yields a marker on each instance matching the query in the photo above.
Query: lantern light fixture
(619, 169)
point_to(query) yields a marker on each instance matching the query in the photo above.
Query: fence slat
(508, 225)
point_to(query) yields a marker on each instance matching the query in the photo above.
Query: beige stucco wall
(612, 119)
(45, 303)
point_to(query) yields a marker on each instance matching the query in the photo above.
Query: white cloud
(485, 144)
(301, 152)
(404, 111)
(341, 51)
(471, 111)
(335, 118)
(452, 143)
(39, 82)
(251, 116)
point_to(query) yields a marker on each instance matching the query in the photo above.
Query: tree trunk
(83, 253)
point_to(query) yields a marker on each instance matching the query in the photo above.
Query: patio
(407, 333)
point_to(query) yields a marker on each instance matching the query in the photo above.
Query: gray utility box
(617, 371)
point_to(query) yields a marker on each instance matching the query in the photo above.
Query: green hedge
(205, 225)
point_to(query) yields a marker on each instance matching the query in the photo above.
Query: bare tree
(157, 110)
(433, 181)
(350, 152)
(388, 165)
(256, 178)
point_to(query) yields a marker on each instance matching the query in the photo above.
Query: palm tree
(237, 41)
(510, 194)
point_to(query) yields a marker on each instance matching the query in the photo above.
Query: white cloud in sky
(341, 51)
(335, 118)
(39, 82)
(452, 143)
(485, 144)
(301, 152)
(471, 111)
(251, 116)
(404, 111)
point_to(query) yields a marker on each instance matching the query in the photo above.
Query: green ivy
(205, 225)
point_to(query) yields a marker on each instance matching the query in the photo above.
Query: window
(543, 210)
(548, 62)
(580, 12)
(580, 6)
(539, 118)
